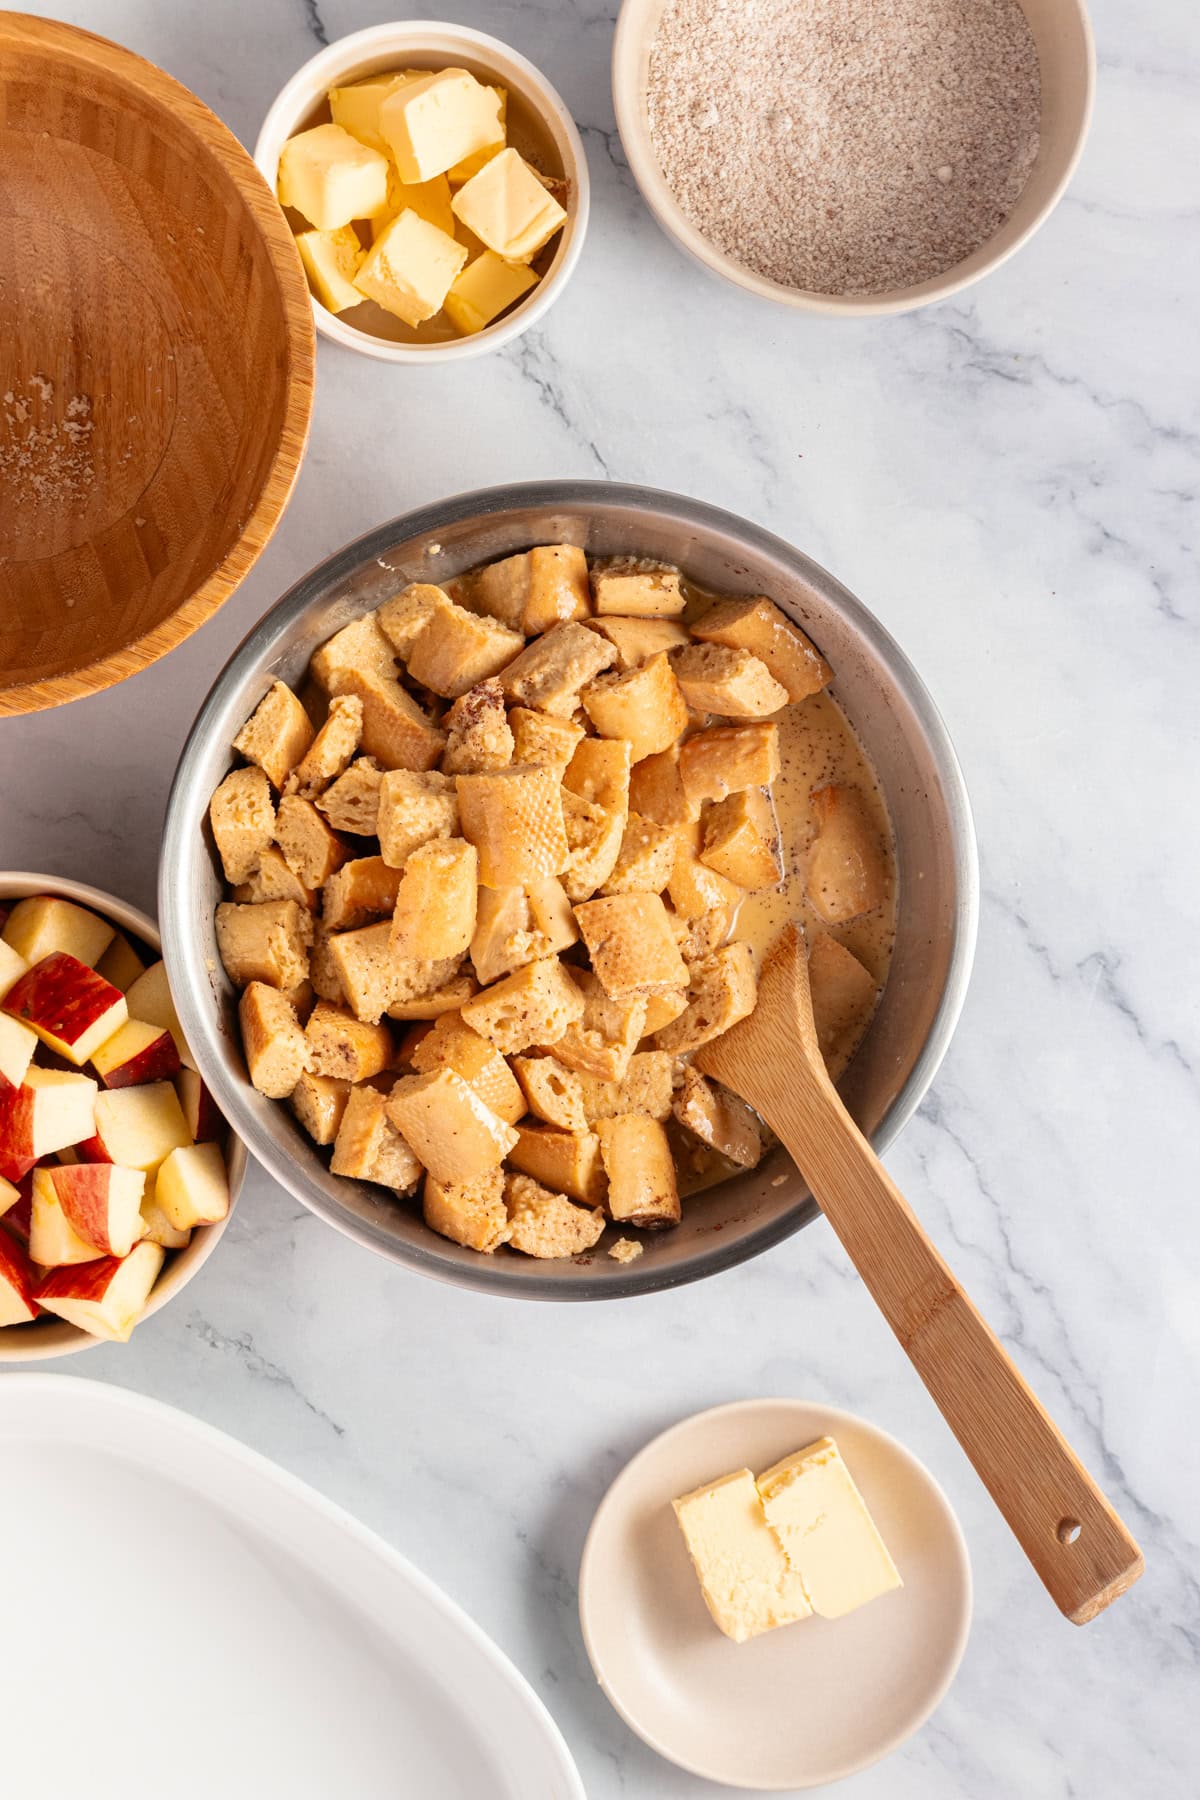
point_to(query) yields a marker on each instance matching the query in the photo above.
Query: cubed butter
(483, 290)
(429, 199)
(471, 165)
(435, 122)
(356, 108)
(821, 1522)
(508, 209)
(744, 1575)
(331, 261)
(411, 267)
(331, 178)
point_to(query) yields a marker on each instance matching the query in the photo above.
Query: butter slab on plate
(807, 1703)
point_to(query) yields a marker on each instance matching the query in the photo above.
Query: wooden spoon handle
(1072, 1536)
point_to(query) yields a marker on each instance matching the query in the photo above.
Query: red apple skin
(207, 1127)
(82, 1192)
(61, 995)
(20, 1213)
(90, 1150)
(157, 1062)
(17, 1270)
(16, 1132)
(79, 1281)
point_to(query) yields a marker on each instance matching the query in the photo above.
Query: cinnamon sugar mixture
(845, 146)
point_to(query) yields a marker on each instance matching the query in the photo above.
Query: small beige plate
(809, 1703)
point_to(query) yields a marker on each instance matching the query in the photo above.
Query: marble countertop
(1008, 480)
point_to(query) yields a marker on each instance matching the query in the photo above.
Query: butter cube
(744, 1575)
(331, 178)
(484, 289)
(471, 165)
(356, 108)
(331, 261)
(508, 209)
(435, 122)
(411, 267)
(429, 199)
(822, 1524)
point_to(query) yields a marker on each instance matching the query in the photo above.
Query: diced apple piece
(138, 1127)
(101, 1202)
(17, 1045)
(72, 1009)
(137, 1053)
(53, 1239)
(204, 1122)
(105, 1298)
(51, 1109)
(18, 1279)
(158, 1229)
(121, 963)
(9, 1195)
(193, 1187)
(11, 965)
(41, 925)
(149, 998)
(18, 1214)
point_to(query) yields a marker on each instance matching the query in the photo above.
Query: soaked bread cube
(637, 640)
(435, 902)
(275, 1046)
(700, 936)
(549, 673)
(516, 925)
(331, 751)
(645, 859)
(568, 1162)
(662, 1008)
(403, 618)
(847, 866)
(359, 646)
(351, 802)
(451, 1044)
(725, 759)
(758, 625)
(602, 1042)
(599, 771)
(514, 818)
(646, 1087)
(478, 734)
(722, 989)
(271, 879)
(656, 791)
(843, 998)
(470, 1213)
(318, 1102)
(719, 1118)
(450, 1129)
(276, 735)
(545, 1224)
(361, 890)
(552, 1091)
(344, 1047)
(415, 807)
(545, 742)
(310, 848)
(450, 990)
(535, 1005)
(642, 1189)
(741, 840)
(645, 707)
(631, 944)
(459, 648)
(242, 816)
(594, 840)
(395, 731)
(264, 942)
(715, 678)
(695, 889)
(635, 589)
(373, 979)
(536, 589)
(369, 1147)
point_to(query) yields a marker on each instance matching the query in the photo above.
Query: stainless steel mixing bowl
(880, 692)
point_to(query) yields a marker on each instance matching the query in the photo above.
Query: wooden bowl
(156, 363)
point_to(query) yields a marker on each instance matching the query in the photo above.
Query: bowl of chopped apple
(117, 1171)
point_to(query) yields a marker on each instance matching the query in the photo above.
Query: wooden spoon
(1067, 1529)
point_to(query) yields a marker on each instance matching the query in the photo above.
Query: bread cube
(275, 1046)
(351, 802)
(637, 640)
(322, 970)
(451, 1044)
(535, 1005)
(843, 999)
(242, 816)
(717, 679)
(265, 942)
(514, 818)
(470, 1213)
(544, 742)
(404, 617)
(310, 848)
(365, 968)
(644, 707)
(359, 646)
(646, 1087)
(302, 998)
(330, 177)
(638, 590)
(599, 771)
(549, 673)
(435, 902)
(567, 1162)
(656, 791)
(594, 840)
(415, 807)
(847, 861)
(545, 1224)
(727, 758)
(449, 991)
(642, 1189)
(536, 589)
(273, 880)
(645, 859)
(741, 840)
(705, 933)
(361, 890)
(343, 1047)
(662, 1008)
(631, 944)
(759, 626)
(603, 1041)
(478, 734)
(460, 648)
(720, 1119)
(319, 1101)
(368, 1146)
(395, 731)
(553, 1092)
(721, 990)
(276, 735)
(450, 1129)
(331, 751)
(516, 925)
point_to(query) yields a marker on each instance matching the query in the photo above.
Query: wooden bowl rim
(22, 29)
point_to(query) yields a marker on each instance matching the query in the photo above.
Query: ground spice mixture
(845, 146)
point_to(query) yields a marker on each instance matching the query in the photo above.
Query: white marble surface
(1009, 481)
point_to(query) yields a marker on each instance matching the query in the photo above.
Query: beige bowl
(47, 1337)
(1063, 35)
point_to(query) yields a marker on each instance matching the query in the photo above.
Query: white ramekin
(1067, 54)
(422, 42)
